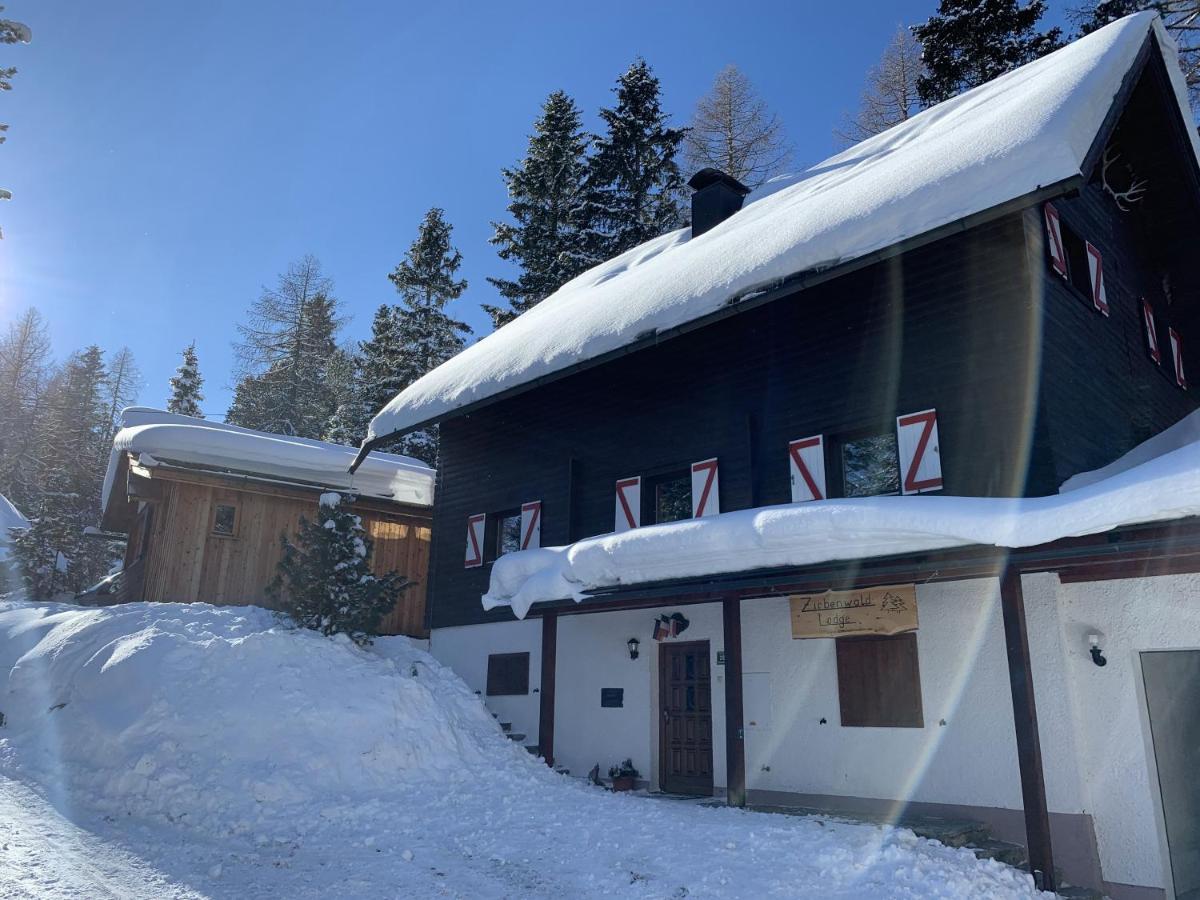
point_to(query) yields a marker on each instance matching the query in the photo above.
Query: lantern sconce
(1094, 646)
(633, 644)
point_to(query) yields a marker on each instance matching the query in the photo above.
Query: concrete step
(506, 727)
(514, 736)
(1072, 892)
(951, 832)
(1002, 851)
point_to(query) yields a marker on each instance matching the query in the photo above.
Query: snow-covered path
(43, 855)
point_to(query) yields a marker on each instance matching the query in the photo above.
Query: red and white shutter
(920, 458)
(475, 526)
(1177, 355)
(705, 489)
(1096, 271)
(1054, 241)
(1151, 332)
(807, 460)
(531, 525)
(629, 504)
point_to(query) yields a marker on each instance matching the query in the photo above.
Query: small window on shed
(670, 497)
(225, 520)
(870, 466)
(507, 674)
(879, 681)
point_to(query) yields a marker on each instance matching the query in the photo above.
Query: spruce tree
(383, 370)
(969, 42)
(325, 581)
(186, 397)
(634, 187)
(426, 282)
(348, 424)
(544, 190)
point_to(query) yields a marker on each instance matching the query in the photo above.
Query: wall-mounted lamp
(633, 644)
(1094, 644)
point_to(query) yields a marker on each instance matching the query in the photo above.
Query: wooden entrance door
(685, 738)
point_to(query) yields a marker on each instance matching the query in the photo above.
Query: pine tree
(348, 424)
(185, 396)
(122, 384)
(383, 370)
(426, 282)
(284, 355)
(890, 96)
(24, 370)
(11, 32)
(634, 188)
(1181, 18)
(969, 42)
(544, 189)
(325, 581)
(734, 131)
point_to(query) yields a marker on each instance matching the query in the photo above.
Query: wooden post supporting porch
(735, 744)
(546, 688)
(1029, 749)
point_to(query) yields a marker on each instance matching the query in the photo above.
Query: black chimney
(717, 197)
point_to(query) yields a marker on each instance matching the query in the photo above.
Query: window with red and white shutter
(705, 489)
(531, 525)
(1177, 357)
(806, 458)
(920, 455)
(475, 530)
(1096, 279)
(1054, 240)
(1151, 329)
(628, 512)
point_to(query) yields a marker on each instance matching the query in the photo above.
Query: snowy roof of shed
(1022, 132)
(10, 517)
(162, 437)
(1157, 481)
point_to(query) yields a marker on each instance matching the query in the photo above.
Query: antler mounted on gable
(1124, 195)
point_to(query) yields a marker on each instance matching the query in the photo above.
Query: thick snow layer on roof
(1184, 432)
(167, 437)
(1025, 130)
(10, 517)
(797, 534)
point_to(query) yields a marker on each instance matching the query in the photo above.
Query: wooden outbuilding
(204, 505)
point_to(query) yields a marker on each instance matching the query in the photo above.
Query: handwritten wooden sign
(881, 610)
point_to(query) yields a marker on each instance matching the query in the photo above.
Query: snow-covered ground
(176, 751)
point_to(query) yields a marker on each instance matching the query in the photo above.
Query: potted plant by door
(624, 777)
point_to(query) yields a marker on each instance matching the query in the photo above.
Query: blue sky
(167, 159)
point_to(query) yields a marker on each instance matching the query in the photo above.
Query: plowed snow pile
(245, 758)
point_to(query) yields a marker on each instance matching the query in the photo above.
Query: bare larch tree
(890, 95)
(734, 131)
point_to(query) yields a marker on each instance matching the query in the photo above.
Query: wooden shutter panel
(531, 525)
(628, 504)
(1151, 332)
(1096, 280)
(1177, 356)
(807, 460)
(475, 528)
(920, 456)
(1054, 241)
(705, 489)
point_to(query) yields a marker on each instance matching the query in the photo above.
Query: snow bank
(10, 517)
(1023, 131)
(164, 436)
(223, 719)
(797, 534)
(1183, 433)
(246, 760)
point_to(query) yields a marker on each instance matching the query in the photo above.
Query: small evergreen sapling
(325, 581)
(185, 386)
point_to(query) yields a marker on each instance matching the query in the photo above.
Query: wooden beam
(546, 688)
(735, 742)
(1029, 749)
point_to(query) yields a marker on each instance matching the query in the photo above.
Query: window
(507, 674)
(1077, 261)
(225, 520)
(670, 498)
(870, 466)
(508, 532)
(879, 681)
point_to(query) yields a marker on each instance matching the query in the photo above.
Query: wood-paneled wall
(186, 562)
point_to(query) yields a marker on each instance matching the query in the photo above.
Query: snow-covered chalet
(875, 490)
(204, 505)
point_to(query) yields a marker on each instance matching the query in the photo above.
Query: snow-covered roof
(10, 517)
(1160, 483)
(157, 437)
(1027, 130)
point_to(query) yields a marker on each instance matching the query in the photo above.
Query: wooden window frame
(835, 472)
(491, 532)
(868, 696)
(237, 520)
(508, 674)
(650, 484)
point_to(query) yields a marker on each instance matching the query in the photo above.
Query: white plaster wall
(1110, 744)
(592, 654)
(465, 649)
